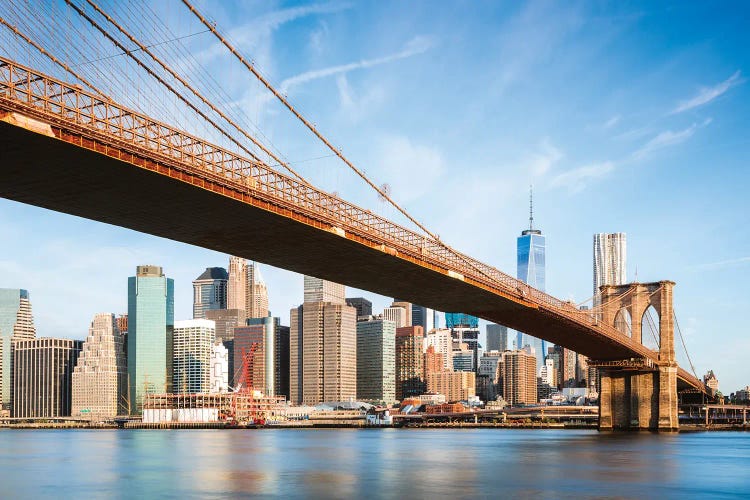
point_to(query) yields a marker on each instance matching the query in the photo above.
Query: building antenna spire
(531, 207)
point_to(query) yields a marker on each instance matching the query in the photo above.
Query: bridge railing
(71, 107)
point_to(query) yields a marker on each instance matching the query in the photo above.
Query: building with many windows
(610, 260)
(409, 362)
(323, 345)
(440, 339)
(256, 293)
(150, 334)
(261, 354)
(362, 305)
(210, 291)
(43, 376)
(100, 377)
(237, 286)
(497, 337)
(376, 360)
(16, 323)
(519, 377)
(193, 342)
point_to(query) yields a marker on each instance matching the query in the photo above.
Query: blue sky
(625, 116)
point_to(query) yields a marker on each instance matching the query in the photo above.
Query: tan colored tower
(100, 376)
(323, 346)
(409, 362)
(256, 295)
(519, 377)
(237, 284)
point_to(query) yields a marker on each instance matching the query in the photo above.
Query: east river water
(377, 463)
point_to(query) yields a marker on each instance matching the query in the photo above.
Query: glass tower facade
(16, 323)
(150, 334)
(530, 269)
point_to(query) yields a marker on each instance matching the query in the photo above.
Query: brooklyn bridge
(74, 139)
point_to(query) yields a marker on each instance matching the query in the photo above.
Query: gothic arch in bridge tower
(638, 393)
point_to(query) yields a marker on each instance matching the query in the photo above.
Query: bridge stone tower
(639, 393)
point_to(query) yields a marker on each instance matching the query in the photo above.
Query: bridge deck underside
(53, 174)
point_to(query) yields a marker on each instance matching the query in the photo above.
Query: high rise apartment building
(16, 323)
(150, 334)
(409, 362)
(42, 376)
(256, 294)
(323, 345)
(490, 375)
(100, 377)
(610, 260)
(193, 343)
(519, 377)
(376, 360)
(210, 291)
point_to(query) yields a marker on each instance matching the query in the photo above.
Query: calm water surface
(391, 463)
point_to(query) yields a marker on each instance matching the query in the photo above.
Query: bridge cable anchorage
(163, 82)
(251, 67)
(195, 92)
(684, 345)
(55, 60)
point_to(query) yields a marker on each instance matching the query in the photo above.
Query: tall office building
(210, 291)
(320, 290)
(261, 348)
(490, 375)
(407, 306)
(376, 360)
(397, 314)
(226, 321)
(460, 320)
(424, 317)
(362, 305)
(100, 377)
(237, 285)
(409, 362)
(42, 376)
(323, 345)
(16, 323)
(531, 269)
(193, 342)
(150, 334)
(497, 337)
(519, 377)
(610, 260)
(256, 294)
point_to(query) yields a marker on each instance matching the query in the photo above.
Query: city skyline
(667, 118)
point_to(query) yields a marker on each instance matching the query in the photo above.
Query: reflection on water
(387, 463)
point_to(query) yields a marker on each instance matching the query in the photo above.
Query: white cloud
(708, 94)
(612, 122)
(317, 37)
(576, 179)
(540, 162)
(723, 264)
(668, 138)
(412, 169)
(415, 46)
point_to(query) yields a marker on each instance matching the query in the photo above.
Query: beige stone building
(100, 377)
(455, 386)
(323, 346)
(519, 377)
(256, 293)
(237, 285)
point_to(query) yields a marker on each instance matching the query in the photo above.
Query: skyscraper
(610, 260)
(193, 341)
(530, 269)
(42, 376)
(424, 317)
(256, 294)
(519, 377)
(270, 361)
(497, 337)
(323, 345)
(442, 343)
(16, 323)
(397, 314)
(407, 307)
(237, 285)
(210, 291)
(362, 305)
(409, 362)
(376, 360)
(100, 375)
(150, 334)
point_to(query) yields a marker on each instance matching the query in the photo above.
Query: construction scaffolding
(240, 407)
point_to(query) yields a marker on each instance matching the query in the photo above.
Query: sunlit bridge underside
(71, 151)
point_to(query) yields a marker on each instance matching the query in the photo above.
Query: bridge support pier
(637, 395)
